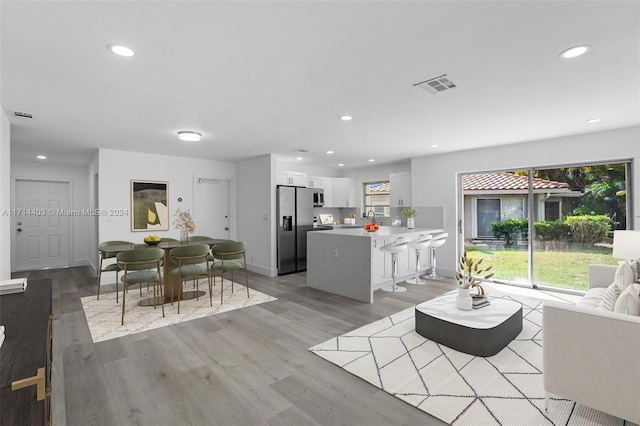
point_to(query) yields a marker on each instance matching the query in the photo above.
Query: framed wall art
(149, 205)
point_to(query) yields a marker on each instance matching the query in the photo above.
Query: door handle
(19, 229)
(226, 228)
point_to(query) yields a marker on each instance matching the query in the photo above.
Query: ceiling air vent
(301, 150)
(437, 84)
(22, 114)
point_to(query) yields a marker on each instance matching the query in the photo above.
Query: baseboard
(259, 269)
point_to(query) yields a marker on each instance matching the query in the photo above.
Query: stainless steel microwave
(318, 197)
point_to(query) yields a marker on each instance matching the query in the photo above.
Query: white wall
(256, 210)
(92, 237)
(118, 168)
(78, 179)
(5, 197)
(434, 178)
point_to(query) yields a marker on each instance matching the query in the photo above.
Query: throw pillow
(635, 267)
(624, 276)
(610, 297)
(629, 301)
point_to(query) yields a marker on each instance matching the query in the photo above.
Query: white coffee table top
(444, 308)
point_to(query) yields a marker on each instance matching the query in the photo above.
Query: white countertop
(382, 232)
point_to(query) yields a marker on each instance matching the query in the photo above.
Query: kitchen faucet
(373, 215)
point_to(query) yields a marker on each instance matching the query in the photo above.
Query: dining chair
(112, 267)
(141, 266)
(203, 238)
(190, 260)
(229, 256)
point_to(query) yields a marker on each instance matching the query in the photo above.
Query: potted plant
(184, 223)
(410, 214)
(466, 277)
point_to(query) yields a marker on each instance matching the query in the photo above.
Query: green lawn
(557, 268)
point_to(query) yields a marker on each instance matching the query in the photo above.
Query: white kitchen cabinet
(328, 192)
(291, 178)
(344, 192)
(400, 189)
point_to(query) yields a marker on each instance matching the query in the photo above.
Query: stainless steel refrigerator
(294, 212)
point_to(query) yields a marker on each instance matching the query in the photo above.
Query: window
(376, 198)
(551, 210)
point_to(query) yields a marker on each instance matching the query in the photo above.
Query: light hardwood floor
(246, 367)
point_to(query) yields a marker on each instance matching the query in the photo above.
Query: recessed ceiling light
(435, 145)
(371, 160)
(329, 152)
(189, 136)
(594, 120)
(340, 164)
(120, 50)
(298, 158)
(346, 118)
(41, 157)
(574, 52)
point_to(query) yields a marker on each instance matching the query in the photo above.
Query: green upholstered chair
(192, 261)
(111, 267)
(203, 238)
(229, 256)
(141, 266)
(165, 239)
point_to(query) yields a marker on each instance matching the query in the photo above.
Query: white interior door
(212, 208)
(42, 232)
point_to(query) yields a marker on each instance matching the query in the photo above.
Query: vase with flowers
(410, 214)
(184, 223)
(466, 276)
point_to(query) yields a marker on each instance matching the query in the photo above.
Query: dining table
(172, 284)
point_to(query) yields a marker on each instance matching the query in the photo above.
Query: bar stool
(420, 243)
(394, 248)
(436, 241)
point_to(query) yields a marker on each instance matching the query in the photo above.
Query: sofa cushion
(609, 297)
(624, 276)
(629, 301)
(593, 297)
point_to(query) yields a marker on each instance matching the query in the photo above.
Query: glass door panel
(573, 222)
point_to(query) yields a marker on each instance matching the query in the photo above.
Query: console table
(25, 356)
(481, 332)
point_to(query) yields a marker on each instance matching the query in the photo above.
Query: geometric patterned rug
(104, 315)
(457, 388)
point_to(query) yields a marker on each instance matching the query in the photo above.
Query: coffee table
(481, 332)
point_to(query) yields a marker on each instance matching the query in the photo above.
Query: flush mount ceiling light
(189, 136)
(121, 50)
(574, 52)
(371, 160)
(594, 120)
(299, 158)
(340, 164)
(41, 157)
(346, 118)
(433, 145)
(329, 152)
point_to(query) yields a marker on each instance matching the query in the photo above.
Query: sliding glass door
(545, 226)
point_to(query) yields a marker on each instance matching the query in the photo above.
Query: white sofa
(592, 356)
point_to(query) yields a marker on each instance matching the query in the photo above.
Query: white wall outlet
(335, 254)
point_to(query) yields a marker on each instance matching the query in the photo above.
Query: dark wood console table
(25, 355)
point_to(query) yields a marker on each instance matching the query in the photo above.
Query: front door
(487, 212)
(41, 226)
(212, 208)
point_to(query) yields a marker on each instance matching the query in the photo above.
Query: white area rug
(460, 389)
(104, 315)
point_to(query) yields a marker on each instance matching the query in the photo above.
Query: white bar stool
(394, 248)
(420, 243)
(436, 241)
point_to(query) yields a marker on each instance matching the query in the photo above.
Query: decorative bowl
(152, 243)
(371, 230)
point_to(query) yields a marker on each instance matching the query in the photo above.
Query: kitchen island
(349, 261)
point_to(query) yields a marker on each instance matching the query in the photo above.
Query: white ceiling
(272, 77)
